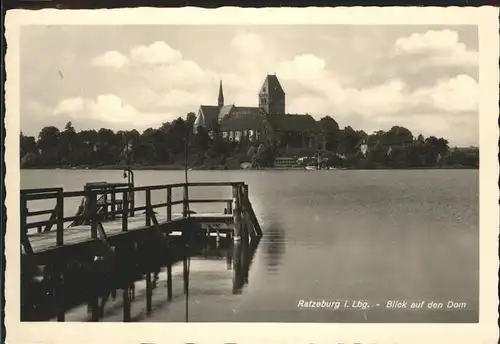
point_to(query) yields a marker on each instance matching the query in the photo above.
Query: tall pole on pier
(128, 173)
(186, 164)
(187, 260)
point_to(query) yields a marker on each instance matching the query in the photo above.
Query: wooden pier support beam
(229, 207)
(169, 266)
(94, 308)
(58, 288)
(148, 208)
(92, 201)
(169, 204)
(245, 209)
(126, 304)
(113, 203)
(237, 213)
(125, 211)
(169, 280)
(250, 218)
(185, 204)
(149, 293)
(24, 231)
(237, 267)
(60, 218)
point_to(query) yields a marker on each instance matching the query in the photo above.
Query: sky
(424, 78)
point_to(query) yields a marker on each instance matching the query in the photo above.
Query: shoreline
(202, 168)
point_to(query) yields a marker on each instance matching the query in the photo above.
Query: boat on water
(312, 168)
(315, 167)
(318, 166)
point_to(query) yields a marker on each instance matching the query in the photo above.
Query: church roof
(290, 122)
(242, 118)
(271, 84)
(250, 110)
(210, 113)
(224, 111)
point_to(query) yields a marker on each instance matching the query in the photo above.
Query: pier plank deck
(59, 265)
(79, 234)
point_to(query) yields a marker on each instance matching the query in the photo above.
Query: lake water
(350, 236)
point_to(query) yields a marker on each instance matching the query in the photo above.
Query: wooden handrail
(32, 194)
(41, 190)
(125, 197)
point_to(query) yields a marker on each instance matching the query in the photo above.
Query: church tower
(221, 96)
(272, 96)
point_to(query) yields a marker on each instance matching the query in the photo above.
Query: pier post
(237, 280)
(126, 304)
(169, 204)
(58, 289)
(125, 212)
(113, 203)
(131, 197)
(229, 260)
(169, 279)
(244, 207)
(149, 292)
(237, 213)
(60, 217)
(94, 308)
(169, 266)
(105, 202)
(92, 199)
(25, 241)
(185, 273)
(148, 208)
(185, 204)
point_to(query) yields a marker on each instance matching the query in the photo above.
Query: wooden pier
(111, 231)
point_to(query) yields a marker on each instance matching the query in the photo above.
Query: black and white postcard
(312, 175)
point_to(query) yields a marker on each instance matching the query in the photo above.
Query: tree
(48, 143)
(28, 150)
(190, 119)
(27, 145)
(167, 144)
(69, 144)
(399, 136)
(201, 143)
(330, 131)
(349, 141)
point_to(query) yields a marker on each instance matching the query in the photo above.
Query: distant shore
(231, 168)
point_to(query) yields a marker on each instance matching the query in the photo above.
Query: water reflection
(243, 254)
(167, 290)
(274, 246)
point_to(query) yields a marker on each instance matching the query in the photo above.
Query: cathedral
(266, 123)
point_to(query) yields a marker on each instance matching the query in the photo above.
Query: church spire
(221, 95)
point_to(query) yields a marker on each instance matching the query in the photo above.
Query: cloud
(112, 59)
(326, 95)
(440, 47)
(152, 78)
(179, 99)
(107, 108)
(157, 53)
(70, 105)
(458, 94)
(302, 66)
(159, 67)
(178, 85)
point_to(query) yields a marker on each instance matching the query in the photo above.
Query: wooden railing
(108, 201)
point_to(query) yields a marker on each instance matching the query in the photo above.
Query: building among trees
(266, 123)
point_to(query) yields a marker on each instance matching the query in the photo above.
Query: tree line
(172, 142)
